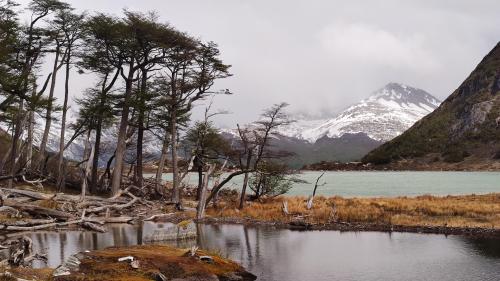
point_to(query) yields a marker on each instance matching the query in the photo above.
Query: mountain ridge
(357, 130)
(465, 127)
(402, 105)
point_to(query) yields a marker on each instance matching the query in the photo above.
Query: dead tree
(200, 210)
(310, 200)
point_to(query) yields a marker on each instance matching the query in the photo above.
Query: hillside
(464, 130)
(347, 148)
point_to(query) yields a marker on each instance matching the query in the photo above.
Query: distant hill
(464, 131)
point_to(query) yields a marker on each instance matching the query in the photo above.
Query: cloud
(321, 56)
(371, 45)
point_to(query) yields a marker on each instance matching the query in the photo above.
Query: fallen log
(92, 226)
(93, 203)
(32, 194)
(36, 183)
(158, 216)
(37, 210)
(41, 226)
(2, 178)
(20, 251)
(88, 223)
(116, 219)
(33, 257)
(9, 210)
(115, 207)
(58, 196)
(104, 220)
(26, 222)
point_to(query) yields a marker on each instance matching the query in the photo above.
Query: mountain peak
(385, 114)
(404, 95)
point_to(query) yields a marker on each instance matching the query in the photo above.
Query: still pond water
(285, 255)
(386, 184)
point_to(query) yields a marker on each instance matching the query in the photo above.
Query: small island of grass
(139, 263)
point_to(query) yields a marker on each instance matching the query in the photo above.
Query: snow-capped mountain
(357, 130)
(385, 114)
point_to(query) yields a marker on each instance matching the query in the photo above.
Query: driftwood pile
(26, 210)
(21, 253)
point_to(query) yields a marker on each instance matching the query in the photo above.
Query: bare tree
(255, 146)
(311, 198)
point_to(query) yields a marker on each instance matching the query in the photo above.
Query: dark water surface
(275, 254)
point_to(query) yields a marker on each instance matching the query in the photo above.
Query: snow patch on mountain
(385, 114)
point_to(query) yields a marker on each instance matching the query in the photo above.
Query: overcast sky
(321, 56)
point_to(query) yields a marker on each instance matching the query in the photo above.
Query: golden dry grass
(452, 211)
(26, 273)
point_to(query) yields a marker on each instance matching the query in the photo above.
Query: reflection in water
(275, 254)
(485, 247)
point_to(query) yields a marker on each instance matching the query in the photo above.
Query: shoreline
(409, 166)
(467, 215)
(474, 232)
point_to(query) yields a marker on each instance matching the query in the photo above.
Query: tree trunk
(140, 131)
(200, 210)
(245, 182)
(48, 116)
(243, 192)
(88, 165)
(199, 166)
(60, 160)
(161, 164)
(29, 148)
(107, 172)
(95, 158)
(216, 188)
(122, 135)
(258, 188)
(31, 120)
(4, 159)
(175, 172)
(98, 131)
(139, 180)
(18, 129)
(311, 199)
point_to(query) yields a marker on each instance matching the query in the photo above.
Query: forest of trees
(147, 77)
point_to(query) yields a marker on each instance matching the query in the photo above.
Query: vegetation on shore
(426, 163)
(470, 211)
(147, 77)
